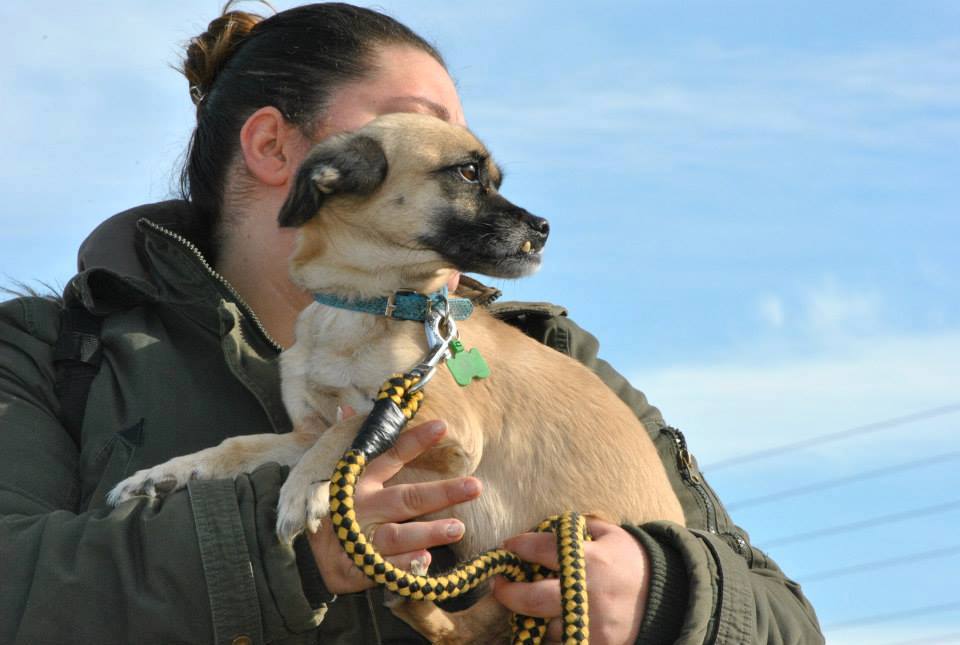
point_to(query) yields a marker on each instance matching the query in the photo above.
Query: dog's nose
(542, 226)
(538, 224)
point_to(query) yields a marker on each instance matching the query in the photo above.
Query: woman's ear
(271, 147)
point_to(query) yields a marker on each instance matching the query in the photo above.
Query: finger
(405, 560)
(345, 412)
(599, 528)
(453, 282)
(405, 501)
(540, 548)
(540, 598)
(416, 536)
(350, 579)
(554, 631)
(409, 445)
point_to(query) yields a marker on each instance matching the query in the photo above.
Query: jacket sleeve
(707, 583)
(200, 566)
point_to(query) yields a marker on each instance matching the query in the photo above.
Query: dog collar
(403, 304)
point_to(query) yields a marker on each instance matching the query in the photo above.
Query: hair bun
(208, 53)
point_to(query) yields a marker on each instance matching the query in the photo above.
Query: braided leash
(398, 402)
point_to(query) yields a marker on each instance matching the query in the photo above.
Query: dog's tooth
(527, 247)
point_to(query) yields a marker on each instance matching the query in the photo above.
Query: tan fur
(543, 433)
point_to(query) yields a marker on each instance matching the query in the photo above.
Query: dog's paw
(156, 482)
(301, 506)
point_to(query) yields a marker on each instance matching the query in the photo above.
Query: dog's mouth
(531, 250)
(503, 244)
(527, 248)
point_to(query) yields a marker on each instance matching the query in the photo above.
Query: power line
(894, 615)
(940, 639)
(835, 436)
(839, 481)
(860, 524)
(879, 564)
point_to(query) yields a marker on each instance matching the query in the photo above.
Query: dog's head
(403, 202)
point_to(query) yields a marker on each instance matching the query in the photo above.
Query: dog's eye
(469, 172)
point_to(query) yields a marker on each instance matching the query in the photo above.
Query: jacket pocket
(110, 465)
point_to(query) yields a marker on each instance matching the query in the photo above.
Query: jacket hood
(145, 254)
(113, 244)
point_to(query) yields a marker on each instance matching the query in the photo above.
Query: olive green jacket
(184, 365)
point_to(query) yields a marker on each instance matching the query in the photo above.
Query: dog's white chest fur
(342, 358)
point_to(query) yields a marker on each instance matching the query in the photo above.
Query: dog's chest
(352, 354)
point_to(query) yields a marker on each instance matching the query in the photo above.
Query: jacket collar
(126, 260)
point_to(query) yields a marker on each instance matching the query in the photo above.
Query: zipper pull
(686, 459)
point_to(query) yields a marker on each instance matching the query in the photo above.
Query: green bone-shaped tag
(466, 366)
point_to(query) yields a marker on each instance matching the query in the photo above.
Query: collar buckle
(392, 301)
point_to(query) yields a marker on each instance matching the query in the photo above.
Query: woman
(188, 304)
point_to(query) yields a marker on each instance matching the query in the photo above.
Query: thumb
(345, 412)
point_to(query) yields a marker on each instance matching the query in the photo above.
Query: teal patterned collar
(402, 305)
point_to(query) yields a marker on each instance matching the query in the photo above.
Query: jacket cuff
(720, 606)
(313, 586)
(667, 592)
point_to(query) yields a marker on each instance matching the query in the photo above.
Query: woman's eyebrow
(438, 110)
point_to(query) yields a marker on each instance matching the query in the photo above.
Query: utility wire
(835, 436)
(860, 524)
(894, 615)
(940, 639)
(839, 481)
(879, 564)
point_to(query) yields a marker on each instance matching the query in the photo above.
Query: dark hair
(292, 61)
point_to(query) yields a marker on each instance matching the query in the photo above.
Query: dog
(401, 204)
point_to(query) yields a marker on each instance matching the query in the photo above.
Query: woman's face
(404, 79)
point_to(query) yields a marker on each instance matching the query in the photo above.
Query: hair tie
(196, 95)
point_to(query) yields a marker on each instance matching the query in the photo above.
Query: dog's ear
(344, 164)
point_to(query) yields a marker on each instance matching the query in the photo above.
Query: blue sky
(754, 206)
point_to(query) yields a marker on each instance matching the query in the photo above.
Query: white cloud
(770, 309)
(832, 309)
(904, 98)
(897, 634)
(730, 407)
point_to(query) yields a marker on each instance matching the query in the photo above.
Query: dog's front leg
(234, 456)
(304, 497)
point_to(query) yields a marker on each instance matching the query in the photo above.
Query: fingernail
(436, 427)
(454, 529)
(421, 564)
(471, 487)
(339, 414)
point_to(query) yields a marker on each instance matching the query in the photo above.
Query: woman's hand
(617, 583)
(388, 507)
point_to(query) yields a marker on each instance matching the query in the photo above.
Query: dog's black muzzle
(538, 227)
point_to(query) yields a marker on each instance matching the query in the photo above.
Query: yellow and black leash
(397, 402)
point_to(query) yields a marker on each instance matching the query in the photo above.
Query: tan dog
(402, 204)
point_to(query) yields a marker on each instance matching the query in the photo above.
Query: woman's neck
(253, 258)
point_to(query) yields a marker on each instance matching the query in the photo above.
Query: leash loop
(398, 401)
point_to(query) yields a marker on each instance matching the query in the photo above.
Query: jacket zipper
(692, 477)
(190, 246)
